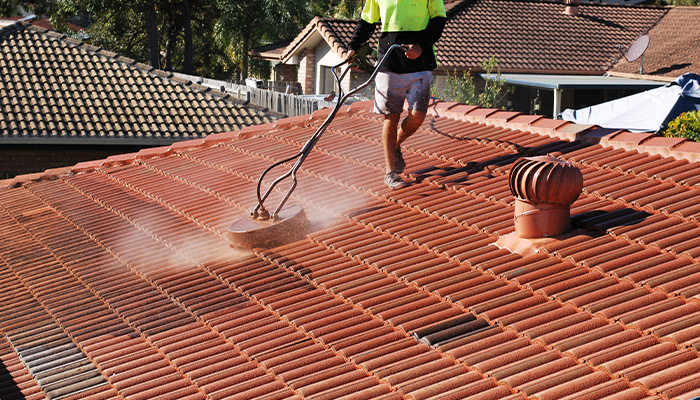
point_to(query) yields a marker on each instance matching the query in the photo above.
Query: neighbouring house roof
(559, 83)
(673, 47)
(552, 82)
(525, 36)
(336, 32)
(537, 37)
(60, 90)
(272, 51)
(41, 22)
(118, 280)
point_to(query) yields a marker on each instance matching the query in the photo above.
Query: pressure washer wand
(260, 212)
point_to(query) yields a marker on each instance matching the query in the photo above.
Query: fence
(275, 100)
(287, 104)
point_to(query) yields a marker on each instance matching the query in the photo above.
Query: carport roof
(552, 82)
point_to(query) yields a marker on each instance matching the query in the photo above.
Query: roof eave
(317, 30)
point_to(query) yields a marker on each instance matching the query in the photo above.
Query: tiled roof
(526, 36)
(41, 22)
(120, 270)
(336, 32)
(533, 36)
(272, 51)
(673, 46)
(60, 89)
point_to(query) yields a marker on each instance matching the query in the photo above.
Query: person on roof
(404, 77)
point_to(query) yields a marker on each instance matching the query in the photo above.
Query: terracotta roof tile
(415, 293)
(669, 36)
(101, 96)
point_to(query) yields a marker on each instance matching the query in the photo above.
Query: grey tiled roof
(60, 89)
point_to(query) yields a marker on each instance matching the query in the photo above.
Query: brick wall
(26, 159)
(307, 68)
(288, 72)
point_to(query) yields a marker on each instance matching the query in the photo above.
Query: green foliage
(347, 9)
(463, 89)
(686, 125)
(210, 38)
(681, 2)
(244, 24)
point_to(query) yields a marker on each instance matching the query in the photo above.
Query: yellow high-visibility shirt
(402, 15)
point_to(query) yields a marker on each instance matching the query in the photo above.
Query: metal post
(557, 103)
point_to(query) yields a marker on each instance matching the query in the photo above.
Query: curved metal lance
(259, 211)
(286, 224)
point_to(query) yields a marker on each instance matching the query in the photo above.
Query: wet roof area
(119, 271)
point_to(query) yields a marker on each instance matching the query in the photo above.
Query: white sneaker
(394, 181)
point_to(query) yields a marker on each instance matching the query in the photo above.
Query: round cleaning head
(290, 225)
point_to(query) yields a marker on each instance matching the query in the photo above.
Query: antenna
(636, 50)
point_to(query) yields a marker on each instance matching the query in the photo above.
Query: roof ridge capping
(679, 148)
(163, 151)
(17, 25)
(129, 158)
(596, 4)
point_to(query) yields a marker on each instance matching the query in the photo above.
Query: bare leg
(389, 139)
(409, 126)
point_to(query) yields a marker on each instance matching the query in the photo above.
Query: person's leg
(393, 164)
(389, 140)
(418, 98)
(390, 93)
(410, 125)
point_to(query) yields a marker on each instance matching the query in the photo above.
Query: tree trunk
(170, 45)
(152, 35)
(244, 55)
(189, 46)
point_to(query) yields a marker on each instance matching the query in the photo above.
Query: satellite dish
(637, 48)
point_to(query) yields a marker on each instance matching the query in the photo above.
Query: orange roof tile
(121, 268)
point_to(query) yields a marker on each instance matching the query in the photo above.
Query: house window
(327, 81)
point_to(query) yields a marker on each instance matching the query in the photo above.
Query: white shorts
(391, 90)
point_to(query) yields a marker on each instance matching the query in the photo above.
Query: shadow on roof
(9, 386)
(671, 68)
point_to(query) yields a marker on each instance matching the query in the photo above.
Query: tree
(345, 9)
(464, 90)
(245, 24)
(686, 125)
(160, 31)
(682, 2)
(204, 37)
